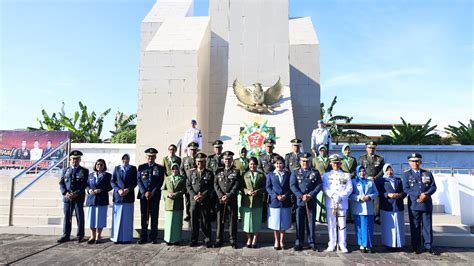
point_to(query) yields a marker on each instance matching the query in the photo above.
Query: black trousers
(421, 226)
(302, 225)
(187, 203)
(149, 212)
(200, 219)
(69, 207)
(232, 212)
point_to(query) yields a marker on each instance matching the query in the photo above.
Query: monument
(246, 72)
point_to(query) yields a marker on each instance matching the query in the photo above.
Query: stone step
(265, 235)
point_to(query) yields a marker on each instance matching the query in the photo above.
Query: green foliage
(84, 127)
(339, 133)
(123, 122)
(265, 133)
(463, 134)
(125, 136)
(406, 134)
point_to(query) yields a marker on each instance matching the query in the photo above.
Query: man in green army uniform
(227, 185)
(292, 159)
(349, 163)
(373, 165)
(187, 164)
(200, 184)
(214, 162)
(242, 164)
(266, 164)
(321, 163)
(171, 159)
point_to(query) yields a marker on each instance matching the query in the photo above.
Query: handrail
(40, 176)
(40, 160)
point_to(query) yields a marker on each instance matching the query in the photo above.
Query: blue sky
(384, 59)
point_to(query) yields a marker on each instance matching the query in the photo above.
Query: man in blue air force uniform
(150, 179)
(72, 185)
(419, 185)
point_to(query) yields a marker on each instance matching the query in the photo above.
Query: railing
(64, 145)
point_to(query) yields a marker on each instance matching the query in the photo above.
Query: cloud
(370, 76)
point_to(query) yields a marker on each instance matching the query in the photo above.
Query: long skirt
(122, 222)
(321, 208)
(252, 219)
(279, 218)
(173, 226)
(392, 228)
(364, 228)
(96, 217)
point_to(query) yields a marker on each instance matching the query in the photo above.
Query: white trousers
(332, 228)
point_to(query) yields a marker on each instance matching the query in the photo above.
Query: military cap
(371, 144)
(228, 154)
(201, 157)
(75, 154)
(151, 151)
(415, 157)
(243, 150)
(172, 146)
(174, 164)
(296, 142)
(269, 142)
(335, 158)
(305, 156)
(322, 146)
(320, 121)
(218, 143)
(193, 121)
(193, 145)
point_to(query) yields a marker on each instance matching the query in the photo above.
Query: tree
(338, 132)
(84, 127)
(463, 134)
(125, 131)
(406, 134)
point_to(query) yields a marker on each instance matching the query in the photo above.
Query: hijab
(359, 178)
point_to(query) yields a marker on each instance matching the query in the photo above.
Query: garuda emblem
(255, 99)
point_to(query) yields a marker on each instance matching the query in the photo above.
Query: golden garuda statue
(255, 99)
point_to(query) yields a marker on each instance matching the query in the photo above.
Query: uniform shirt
(150, 178)
(187, 164)
(321, 136)
(292, 161)
(265, 162)
(337, 187)
(373, 164)
(74, 179)
(215, 161)
(305, 181)
(192, 135)
(22, 154)
(415, 183)
(168, 161)
(227, 181)
(35, 154)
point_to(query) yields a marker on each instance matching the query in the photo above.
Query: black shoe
(80, 239)
(154, 241)
(141, 241)
(298, 248)
(169, 244)
(249, 246)
(369, 250)
(208, 245)
(218, 244)
(433, 252)
(254, 245)
(63, 239)
(193, 244)
(177, 243)
(314, 248)
(91, 241)
(419, 251)
(277, 247)
(187, 219)
(234, 245)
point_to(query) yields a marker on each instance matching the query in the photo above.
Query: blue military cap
(296, 142)
(151, 151)
(193, 145)
(320, 121)
(193, 121)
(75, 154)
(305, 156)
(201, 157)
(218, 143)
(269, 142)
(415, 157)
(322, 146)
(228, 154)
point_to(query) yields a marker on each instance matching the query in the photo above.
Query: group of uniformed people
(301, 187)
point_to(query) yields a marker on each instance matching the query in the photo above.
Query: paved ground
(43, 250)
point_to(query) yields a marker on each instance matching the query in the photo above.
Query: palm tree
(406, 134)
(464, 134)
(338, 132)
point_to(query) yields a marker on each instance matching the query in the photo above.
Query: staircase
(39, 211)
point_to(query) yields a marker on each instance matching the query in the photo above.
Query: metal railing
(64, 145)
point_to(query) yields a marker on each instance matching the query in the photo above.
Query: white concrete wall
(174, 78)
(258, 41)
(304, 77)
(111, 153)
